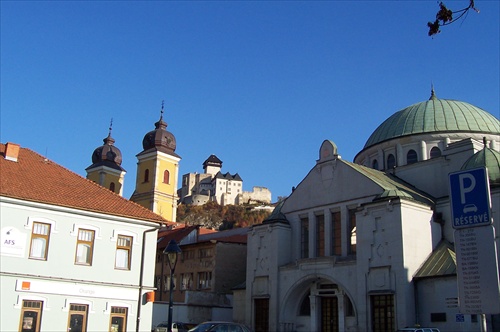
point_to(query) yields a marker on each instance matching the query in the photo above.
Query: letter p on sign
(466, 186)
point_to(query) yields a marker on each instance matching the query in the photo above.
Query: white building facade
(74, 256)
(353, 248)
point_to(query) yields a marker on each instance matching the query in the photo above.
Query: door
(329, 314)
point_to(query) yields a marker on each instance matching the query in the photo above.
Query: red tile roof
(177, 234)
(35, 178)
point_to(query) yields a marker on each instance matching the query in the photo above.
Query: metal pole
(483, 323)
(170, 303)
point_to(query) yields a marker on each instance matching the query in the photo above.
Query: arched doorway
(317, 304)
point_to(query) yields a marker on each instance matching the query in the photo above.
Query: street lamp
(171, 251)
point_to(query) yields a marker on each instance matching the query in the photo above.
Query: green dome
(488, 158)
(435, 115)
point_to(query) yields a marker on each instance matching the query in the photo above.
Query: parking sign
(470, 198)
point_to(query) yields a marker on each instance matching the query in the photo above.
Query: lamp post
(171, 251)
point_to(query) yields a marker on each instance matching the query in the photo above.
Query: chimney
(12, 151)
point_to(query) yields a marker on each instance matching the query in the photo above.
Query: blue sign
(459, 318)
(470, 198)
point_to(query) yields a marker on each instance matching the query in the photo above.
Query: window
(348, 307)
(305, 306)
(391, 161)
(123, 252)
(166, 177)
(411, 157)
(320, 236)
(438, 316)
(84, 247)
(186, 281)
(206, 252)
(112, 186)
(188, 254)
(337, 234)
(39, 240)
(382, 313)
(304, 238)
(166, 282)
(204, 280)
(31, 315)
(435, 152)
(352, 232)
(118, 321)
(77, 317)
(146, 175)
(375, 164)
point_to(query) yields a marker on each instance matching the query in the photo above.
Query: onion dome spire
(160, 139)
(107, 154)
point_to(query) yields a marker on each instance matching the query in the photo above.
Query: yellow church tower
(157, 172)
(106, 167)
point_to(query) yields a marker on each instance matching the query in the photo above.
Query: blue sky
(259, 84)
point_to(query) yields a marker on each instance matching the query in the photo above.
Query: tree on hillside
(445, 17)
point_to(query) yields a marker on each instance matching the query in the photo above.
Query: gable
(330, 181)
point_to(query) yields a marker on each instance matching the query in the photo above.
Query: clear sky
(260, 84)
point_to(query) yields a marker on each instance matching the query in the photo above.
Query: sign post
(477, 261)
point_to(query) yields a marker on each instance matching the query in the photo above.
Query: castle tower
(157, 172)
(212, 165)
(106, 167)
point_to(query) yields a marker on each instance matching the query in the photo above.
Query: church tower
(157, 172)
(106, 167)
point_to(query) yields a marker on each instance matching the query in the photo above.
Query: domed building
(106, 168)
(157, 172)
(369, 245)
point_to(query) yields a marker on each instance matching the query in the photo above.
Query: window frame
(73, 310)
(391, 161)
(435, 152)
(114, 313)
(83, 243)
(36, 236)
(166, 176)
(336, 233)
(36, 309)
(320, 235)
(352, 232)
(411, 157)
(304, 237)
(205, 280)
(127, 248)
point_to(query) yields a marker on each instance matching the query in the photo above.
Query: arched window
(435, 152)
(166, 177)
(146, 175)
(112, 186)
(411, 157)
(375, 164)
(305, 306)
(391, 161)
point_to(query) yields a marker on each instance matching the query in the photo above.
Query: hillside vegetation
(215, 216)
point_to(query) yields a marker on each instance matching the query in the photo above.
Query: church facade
(369, 245)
